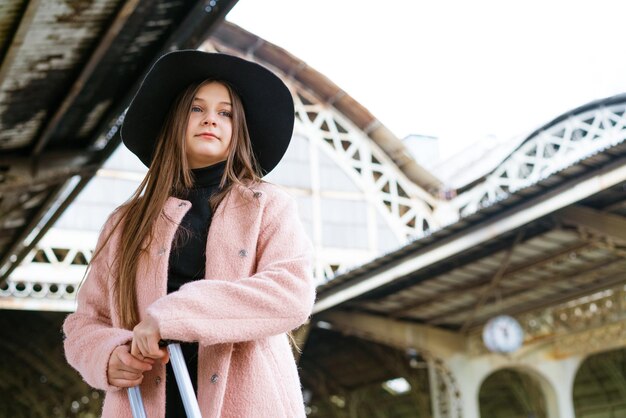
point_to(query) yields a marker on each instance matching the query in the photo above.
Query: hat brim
(266, 100)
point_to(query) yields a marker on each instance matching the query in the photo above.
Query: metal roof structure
(544, 227)
(67, 72)
(541, 229)
(541, 237)
(559, 236)
(230, 38)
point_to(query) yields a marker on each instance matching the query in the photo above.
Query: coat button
(243, 253)
(161, 251)
(214, 378)
(257, 194)
(157, 380)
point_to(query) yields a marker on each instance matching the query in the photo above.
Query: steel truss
(546, 153)
(409, 211)
(48, 278)
(407, 208)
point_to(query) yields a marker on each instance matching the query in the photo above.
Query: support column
(555, 377)
(558, 385)
(469, 372)
(433, 381)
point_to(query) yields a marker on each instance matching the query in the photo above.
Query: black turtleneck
(187, 263)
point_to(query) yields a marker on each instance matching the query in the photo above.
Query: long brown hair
(169, 174)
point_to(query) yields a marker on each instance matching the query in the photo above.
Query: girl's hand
(124, 369)
(146, 337)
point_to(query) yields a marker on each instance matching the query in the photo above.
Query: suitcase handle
(187, 394)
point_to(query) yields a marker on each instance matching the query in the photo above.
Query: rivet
(214, 378)
(243, 253)
(208, 9)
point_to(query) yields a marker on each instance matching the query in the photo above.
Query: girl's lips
(208, 135)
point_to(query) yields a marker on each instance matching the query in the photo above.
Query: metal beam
(559, 198)
(605, 224)
(20, 247)
(105, 43)
(18, 39)
(515, 294)
(511, 306)
(201, 21)
(11, 254)
(484, 282)
(18, 161)
(495, 282)
(25, 181)
(394, 333)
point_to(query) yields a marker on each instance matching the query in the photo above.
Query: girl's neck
(208, 176)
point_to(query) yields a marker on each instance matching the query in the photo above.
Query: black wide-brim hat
(267, 102)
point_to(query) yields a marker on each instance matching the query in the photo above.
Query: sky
(463, 71)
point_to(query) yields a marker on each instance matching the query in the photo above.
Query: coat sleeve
(276, 299)
(90, 336)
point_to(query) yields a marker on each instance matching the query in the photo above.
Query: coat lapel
(232, 238)
(152, 270)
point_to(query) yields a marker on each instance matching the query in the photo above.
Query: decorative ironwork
(444, 388)
(409, 211)
(549, 151)
(51, 273)
(583, 326)
(407, 208)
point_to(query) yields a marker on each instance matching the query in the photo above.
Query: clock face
(503, 334)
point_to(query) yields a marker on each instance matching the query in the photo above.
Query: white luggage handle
(187, 394)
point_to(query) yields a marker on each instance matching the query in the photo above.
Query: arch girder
(408, 209)
(549, 151)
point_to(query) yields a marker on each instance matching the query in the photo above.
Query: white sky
(459, 70)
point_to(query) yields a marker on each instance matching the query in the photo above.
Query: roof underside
(67, 72)
(554, 258)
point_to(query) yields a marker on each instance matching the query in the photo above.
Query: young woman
(204, 252)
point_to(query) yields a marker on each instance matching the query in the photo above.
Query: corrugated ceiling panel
(10, 12)
(59, 38)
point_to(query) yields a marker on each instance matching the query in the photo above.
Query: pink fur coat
(258, 286)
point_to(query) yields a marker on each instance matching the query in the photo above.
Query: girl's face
(210, 128)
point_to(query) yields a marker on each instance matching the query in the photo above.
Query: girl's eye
(196, 109)
(226, 113)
